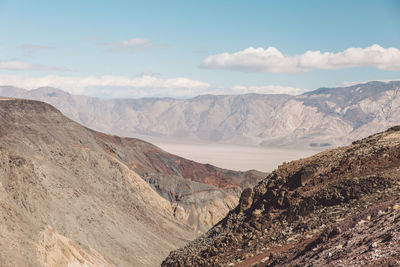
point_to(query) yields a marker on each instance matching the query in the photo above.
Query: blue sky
(184, 48)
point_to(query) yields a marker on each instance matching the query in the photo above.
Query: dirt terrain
(337, 208)
(70, 196)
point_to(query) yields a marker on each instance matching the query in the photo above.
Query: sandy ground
(235, 157)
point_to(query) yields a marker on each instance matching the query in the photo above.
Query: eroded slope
(201, 194)
(88, 188)
(53, 173)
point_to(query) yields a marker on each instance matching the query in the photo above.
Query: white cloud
(109, 86)
(20, 65)
(272, 60)
(134, 44)
(268, 89)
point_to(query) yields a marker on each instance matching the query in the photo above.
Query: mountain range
(326, 117)
(73, 196)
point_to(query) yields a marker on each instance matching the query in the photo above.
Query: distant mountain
(321, 118)
(340, 207)
(71, 196)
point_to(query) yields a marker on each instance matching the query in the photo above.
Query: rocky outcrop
(55, 250)
(299, 200)
(369, 238)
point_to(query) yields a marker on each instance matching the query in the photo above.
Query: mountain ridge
(320, 118)
(71, 194)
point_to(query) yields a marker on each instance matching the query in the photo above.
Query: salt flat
(236, 157)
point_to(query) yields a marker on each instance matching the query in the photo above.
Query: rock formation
(337, 207)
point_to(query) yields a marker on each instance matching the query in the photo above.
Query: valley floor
(236, 157)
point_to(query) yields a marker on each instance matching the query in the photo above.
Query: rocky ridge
(300, 200)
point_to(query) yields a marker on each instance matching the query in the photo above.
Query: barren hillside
(70, 196)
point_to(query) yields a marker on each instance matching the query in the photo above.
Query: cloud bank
(272, 60)
(268, 89)
(109, 86)
(15, 65)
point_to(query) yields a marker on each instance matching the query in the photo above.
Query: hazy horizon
(202, 95)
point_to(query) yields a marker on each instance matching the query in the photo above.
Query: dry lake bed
(236, 157)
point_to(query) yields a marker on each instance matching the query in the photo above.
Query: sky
(181, 49)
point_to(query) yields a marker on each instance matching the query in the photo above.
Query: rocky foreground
(337, 208)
